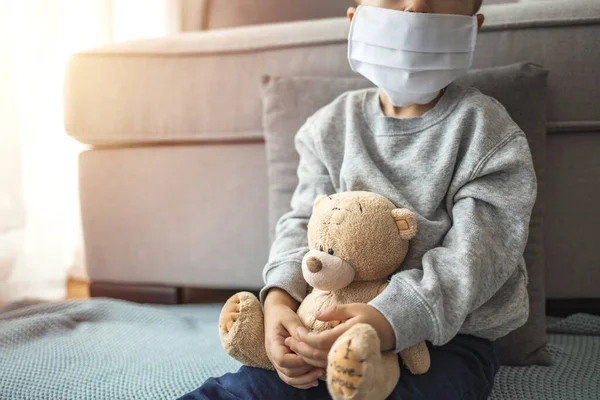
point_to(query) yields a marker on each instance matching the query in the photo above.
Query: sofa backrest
(205, 87)
(230, 13)
(219, 14)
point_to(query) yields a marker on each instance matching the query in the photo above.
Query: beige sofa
(174, 185)
(219, 14)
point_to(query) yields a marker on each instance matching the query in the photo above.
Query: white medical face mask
(410, 56)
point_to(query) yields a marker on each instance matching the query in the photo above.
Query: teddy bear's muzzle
(326, 272)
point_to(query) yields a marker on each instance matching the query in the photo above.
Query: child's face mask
(410, 56)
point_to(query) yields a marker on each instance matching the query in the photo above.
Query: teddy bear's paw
(244, 306)
(230, 314)
(352, 360)
(242, 332)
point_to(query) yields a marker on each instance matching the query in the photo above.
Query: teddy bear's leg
(241, 328)
(416, 358)
(358, 370)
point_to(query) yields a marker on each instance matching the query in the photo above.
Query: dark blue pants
(462, 369)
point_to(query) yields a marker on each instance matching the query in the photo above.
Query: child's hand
(280, 322)
(314, 347)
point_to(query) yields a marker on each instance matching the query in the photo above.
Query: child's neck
(414, 110)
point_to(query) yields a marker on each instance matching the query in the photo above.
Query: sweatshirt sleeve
(284, 268)
(483, 248)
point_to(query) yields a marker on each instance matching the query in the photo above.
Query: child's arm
(482, 252)
(284, 269)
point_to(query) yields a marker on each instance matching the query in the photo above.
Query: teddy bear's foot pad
(230, 314)
(242, 331)
(350, 372)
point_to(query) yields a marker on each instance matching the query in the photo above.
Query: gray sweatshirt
(465, 169)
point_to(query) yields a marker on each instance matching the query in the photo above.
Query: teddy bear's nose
(314, 265)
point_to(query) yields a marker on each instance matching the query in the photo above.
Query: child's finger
(292, 324)
(290, 360)
(296, 372)
(282, 356)
(316, 363)
(309, 386)
(338, 312)
(323, 340)
(319, 357)
(307, 379)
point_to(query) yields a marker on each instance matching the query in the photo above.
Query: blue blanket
(108, 349)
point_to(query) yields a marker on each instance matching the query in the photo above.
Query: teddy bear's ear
(406, 221)
(319, 199)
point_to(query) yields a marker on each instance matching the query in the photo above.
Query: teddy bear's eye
(331, 251)
(321, 248)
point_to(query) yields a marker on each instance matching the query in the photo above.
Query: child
(451, 155)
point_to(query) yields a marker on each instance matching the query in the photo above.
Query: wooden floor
(78, 289)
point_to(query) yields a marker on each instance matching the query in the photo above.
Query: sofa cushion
(180, 216)
(521, 88)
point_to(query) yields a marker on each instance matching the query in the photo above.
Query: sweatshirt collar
(390, 126)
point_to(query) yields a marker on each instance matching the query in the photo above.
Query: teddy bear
(356, 241)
